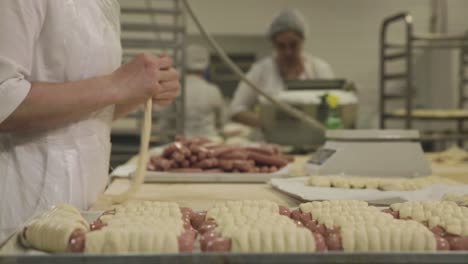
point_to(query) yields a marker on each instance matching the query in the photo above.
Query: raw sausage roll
(61, 229)
(354, 226)
(142, 227)
(445, 219)
(254, 226)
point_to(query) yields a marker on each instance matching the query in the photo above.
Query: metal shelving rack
(222, 76)
(158, 26)
(155, 27)
(391, 52)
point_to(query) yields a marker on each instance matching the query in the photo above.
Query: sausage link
(316, 228)
(167, 152)
(457, 242)
(320, 244)
(283, 210)
(268, 160)
(186, 170)
(226, 165)
(197, 219)
(76, 243)
(442, 243)
(219, 244)
(177, 156)
(395, 214)
(186, 241)
(234, 155)
(333, 242)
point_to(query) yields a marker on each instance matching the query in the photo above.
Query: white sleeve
(245, 97)
(20, 24)
(219, 103)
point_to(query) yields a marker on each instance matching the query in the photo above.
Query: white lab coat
(265, 74)
(54, 41)
(202, 101)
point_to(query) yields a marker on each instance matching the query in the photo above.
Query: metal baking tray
(331, 257)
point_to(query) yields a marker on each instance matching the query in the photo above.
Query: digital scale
(306, 95)
(373, 153)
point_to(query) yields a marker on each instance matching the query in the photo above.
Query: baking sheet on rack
(298, 188)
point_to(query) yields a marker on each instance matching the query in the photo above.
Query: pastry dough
(446, 214)
(386, 184)
(51, 231)
(452, 156)
(396, 235)
(138, 227)
(271, 238)
(366, 228)
(132, 239)
(247, 208)
(460, 199)
(143, 157)
(337, 213)
(257, 226)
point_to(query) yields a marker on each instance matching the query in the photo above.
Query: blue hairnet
(288, 19)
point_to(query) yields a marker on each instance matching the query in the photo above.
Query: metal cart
(391, 52)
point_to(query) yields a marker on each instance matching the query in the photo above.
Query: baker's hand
(170, 85)
(144, 77)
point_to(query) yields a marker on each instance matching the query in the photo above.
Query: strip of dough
(139, 176)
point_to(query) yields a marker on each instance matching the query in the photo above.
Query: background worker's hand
(147, 76)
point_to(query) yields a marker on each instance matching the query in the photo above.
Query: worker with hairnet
(287, 33)
(205, 106)
(205, 109)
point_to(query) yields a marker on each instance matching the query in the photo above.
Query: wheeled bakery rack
(151, 26)
(391, 52)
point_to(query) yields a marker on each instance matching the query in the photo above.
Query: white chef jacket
(54, 41)
(202, 101)
(265, 74)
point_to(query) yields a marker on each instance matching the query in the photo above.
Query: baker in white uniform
(61, 85)
(205, 107)
(287, 33)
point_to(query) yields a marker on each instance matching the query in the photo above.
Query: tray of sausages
(201, 160)
(348, 226)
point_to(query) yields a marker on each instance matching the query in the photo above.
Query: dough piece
(398, 235)
(386, 184)
(271, 238)
(452, 156)
(51, 231)
(138, 227)
(227, 222)
(460, 199)
(143, 157)
(247, 208)
(147, 208)
(132, 239)
(446, 214)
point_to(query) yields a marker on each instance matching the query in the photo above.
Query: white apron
(77, 40)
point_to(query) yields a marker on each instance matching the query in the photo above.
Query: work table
(202, 195)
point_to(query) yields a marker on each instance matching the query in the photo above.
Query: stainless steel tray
(452, 257)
